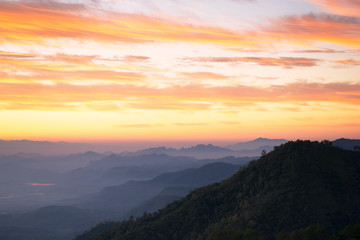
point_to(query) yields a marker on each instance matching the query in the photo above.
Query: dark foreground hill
(298, 184)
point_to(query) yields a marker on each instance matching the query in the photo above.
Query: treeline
(297, 185)
(350, 232)
(313, 232)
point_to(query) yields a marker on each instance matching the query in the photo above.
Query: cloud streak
(205, 75)
(315, 27)
(196, 96)
(349, 62)
(58, 21)
(285, 62)
(46, 23)
(343, 7)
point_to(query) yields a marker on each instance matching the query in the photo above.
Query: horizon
(169, 71)
(119, 146)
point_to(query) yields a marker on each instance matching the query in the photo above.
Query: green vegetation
(301, 190)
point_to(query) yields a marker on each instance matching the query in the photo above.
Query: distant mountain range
(103, 185)
(132, 198)
(301, 190)
(202, 151)
(256, 144)
(252, 148)
(51, 222)
(348, 144)
(120, 199)
(247, 148)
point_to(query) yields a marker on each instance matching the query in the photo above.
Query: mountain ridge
(298, 184)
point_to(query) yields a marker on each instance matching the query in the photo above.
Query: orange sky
(169, 70)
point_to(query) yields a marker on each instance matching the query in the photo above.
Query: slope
(118, 200)
(298, 184)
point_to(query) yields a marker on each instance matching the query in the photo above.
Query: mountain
(166, 196)
(51, 222)
(200, 151)
(259, 143)
(209, 151)
(24, 233)
(118, 200)
(11, 147)
(349, 144)
(298, 184)
(35, 180)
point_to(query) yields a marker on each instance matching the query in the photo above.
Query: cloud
(12, 55)
(311, 28)
(197, 97)
(131, 58)
(46, 23)
(144, 125)
(349, 62)
(204, 75)
(190, 124)
(318, 51)
(343, 7)
(236, 123)
(286, 62)
(64, 68)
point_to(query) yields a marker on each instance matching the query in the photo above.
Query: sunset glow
(179, 70)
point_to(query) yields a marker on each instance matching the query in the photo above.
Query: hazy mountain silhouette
(209, 151)
(43, 147)
(259, 143)
(52, 222)
(121, 199)
(25, 233)
(34, 180)
(348, 144)
(298, 184)
(199, 151)
(166, 196)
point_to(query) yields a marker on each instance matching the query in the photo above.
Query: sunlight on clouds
(106, 70)
(343, 7)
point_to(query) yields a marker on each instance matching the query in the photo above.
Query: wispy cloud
(175, 64)
(190, 124)
(143, 125)
(286, 62)
(131, 58)
(204, 75)
(349, 62)
(318, 51)
(343, 7)
(191, 97)
(64, 68)
(315, 27)
(46, 23)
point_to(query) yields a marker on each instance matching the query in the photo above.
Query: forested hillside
(297, 185)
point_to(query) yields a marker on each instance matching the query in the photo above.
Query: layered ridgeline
(298, 184)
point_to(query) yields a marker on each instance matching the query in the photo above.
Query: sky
(175, 70)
